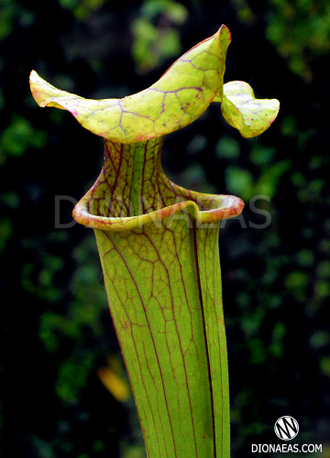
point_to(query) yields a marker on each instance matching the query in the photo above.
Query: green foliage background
(55, 328)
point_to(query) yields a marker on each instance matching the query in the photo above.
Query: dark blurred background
(63, 386)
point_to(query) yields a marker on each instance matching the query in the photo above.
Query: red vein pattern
(158, 249)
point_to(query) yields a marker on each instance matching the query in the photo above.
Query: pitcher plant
(158, 245)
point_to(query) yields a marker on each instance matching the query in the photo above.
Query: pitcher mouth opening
(115, 213)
